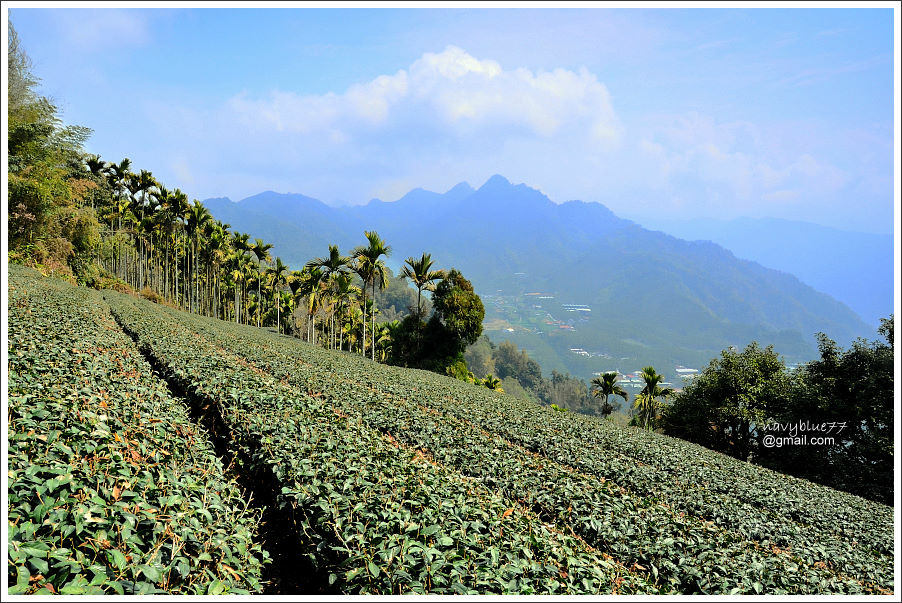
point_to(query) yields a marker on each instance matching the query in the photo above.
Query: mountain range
(578, 287)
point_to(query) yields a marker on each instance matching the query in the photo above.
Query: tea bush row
(111, 488)
(372, 515)
(460, 425)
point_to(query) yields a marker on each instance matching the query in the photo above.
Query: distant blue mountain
(654, 298)
(299, 227)
(854, 267)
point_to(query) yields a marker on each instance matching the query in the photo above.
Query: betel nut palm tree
(647, 402)
(372, 270)
(311, 281)
(198, 217)
(423, 277)
(332, 266)
(241, 247)
(344, 291)
(261, 252)
(606, 386)
(279, 273)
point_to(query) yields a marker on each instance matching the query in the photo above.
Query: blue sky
(675, 113)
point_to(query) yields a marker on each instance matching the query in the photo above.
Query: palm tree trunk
(189, 291)
(373, 319)
(419, 319)
(166, 270)
(208, 291)
(363, 340)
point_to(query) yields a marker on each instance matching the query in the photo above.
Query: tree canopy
(459, 308)
(48, 183)
(852, 390)
(456, 322)
(727, 403)
(842, 403)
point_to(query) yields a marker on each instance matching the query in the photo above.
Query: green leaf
(374, 569)
(152, 573)
(117, 559)
(23, 576)
(216, 587)
(118, 587)
(40, 565)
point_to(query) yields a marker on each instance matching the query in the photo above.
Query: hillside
(648, 298)
(854, 267)
(368, 478)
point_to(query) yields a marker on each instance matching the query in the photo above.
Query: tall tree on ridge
(311, 282)
(118, 175)
(423, 277)
(344, 291)
(241, 246)
(279, 273)
(198, 216)
(178, 201)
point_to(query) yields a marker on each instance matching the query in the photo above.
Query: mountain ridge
(685, 300)
(854, 267)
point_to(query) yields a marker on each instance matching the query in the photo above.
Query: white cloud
(699, 165)
(452, 94)
(826, 178)
(373, 101)
(452, 64)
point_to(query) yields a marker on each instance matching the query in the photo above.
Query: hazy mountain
(417, 206)
(299, 227)
(854, 267)
(646, 297)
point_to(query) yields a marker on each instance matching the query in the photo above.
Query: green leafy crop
(388, 480)
(690, 519)
(112, 489)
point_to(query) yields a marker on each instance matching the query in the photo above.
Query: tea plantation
(112, 487)
(152, 450)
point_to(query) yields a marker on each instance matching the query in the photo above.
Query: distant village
(529, 312)
(685, 375)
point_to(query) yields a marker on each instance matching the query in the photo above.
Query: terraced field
(389, 480)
